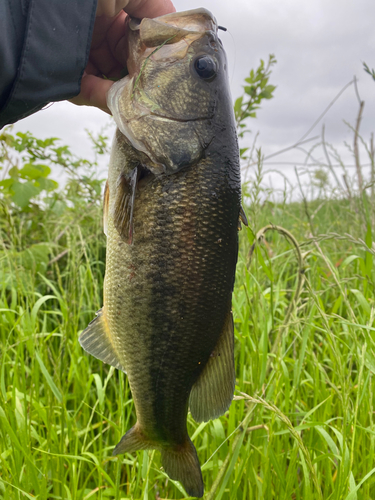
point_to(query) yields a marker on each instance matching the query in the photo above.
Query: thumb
(93, 92)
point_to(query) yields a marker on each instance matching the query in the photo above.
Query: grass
(302, 423)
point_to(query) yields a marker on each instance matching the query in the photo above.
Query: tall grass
(302, 425)
(302, 422)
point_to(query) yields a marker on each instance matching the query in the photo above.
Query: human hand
(107, 53)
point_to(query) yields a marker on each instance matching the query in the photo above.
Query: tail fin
(183, 465)
(180, 463)
(132, 441)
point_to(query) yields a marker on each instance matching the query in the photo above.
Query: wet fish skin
(172, 244)
(163, 107)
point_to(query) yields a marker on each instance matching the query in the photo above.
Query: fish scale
(194, 274)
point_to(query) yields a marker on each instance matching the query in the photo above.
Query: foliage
(62, 411)
(255, 91)
(371, 72)
(31, 184)
(320, 178)
(33, 177)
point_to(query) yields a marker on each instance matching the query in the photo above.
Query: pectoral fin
(123, 206)
(242, 218)
(212, 393)
(96, 341)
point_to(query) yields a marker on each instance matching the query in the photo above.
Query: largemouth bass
(172, 206)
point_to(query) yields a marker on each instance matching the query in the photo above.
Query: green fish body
(171, 209)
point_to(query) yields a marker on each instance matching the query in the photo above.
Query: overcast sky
(319, 46)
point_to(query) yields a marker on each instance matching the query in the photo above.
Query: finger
(139, 8)
(102, 27)
(110, 8)
(91, 69)
(104, 60)
(93, 92)
(117, 36)
(117, 39)
(149, 8)
(108, 47)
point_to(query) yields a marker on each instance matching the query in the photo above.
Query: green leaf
(243, 151)
(46, 142)
(49, 379)
(369, 257)
(100, 390)
(23, 192)
(279, 472)
(31, 171)
(262, 262)
(58, 207)
(36, 256)
(352, 486)
(38, 305)
(198, 430)
(348, 260)
(46, 184)
(6, 183)
(370, 361)
(266, 94)
(337, 304)
(330, 442)
(361, 299)
(13, 173)
(271, 88)
(23, 493)
(353, 493)
(238, 104)
(250, 90)
(309, 413)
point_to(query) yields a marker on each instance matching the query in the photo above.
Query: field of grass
(302, 425)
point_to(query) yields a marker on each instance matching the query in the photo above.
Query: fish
(172, 211)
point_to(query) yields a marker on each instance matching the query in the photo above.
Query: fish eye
(205, 67)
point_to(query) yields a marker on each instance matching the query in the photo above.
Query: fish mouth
(181, 120)
(172, 27)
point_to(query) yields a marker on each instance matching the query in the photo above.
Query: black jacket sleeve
(44, 48)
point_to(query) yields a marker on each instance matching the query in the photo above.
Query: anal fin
(95, 340)
(132, 441)
(212, 393)
(123, 206)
